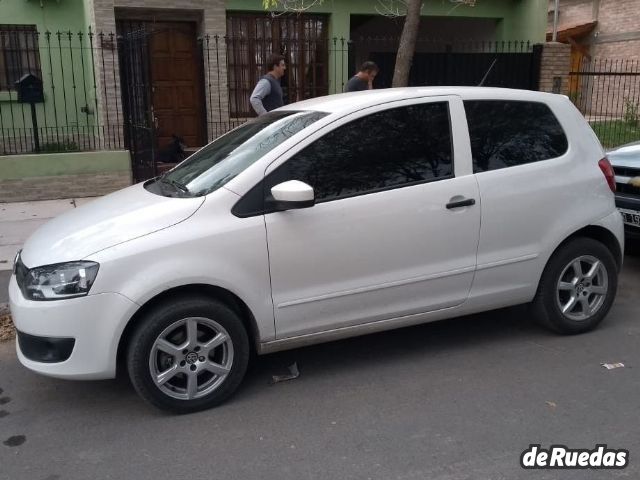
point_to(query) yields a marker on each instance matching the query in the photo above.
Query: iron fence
(511, 64)
(607, 92)
(105, 91)
(71, 116)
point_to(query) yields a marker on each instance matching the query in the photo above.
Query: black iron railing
(103, 91)
(607, 92)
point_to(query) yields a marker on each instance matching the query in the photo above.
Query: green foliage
(631, 113)
(59, 147)
(613, 133)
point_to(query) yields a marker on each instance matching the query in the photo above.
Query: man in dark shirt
(267, 95)
(363, 80)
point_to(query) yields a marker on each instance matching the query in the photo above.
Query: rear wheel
(577, 288)
(188, 355)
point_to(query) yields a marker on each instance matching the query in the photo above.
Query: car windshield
(223, 159)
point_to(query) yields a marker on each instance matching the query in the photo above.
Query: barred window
(19, 54)
(301, 39)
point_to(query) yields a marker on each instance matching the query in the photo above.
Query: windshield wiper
(174, 183)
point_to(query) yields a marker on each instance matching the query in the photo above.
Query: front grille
(45, 349)
(627, 189)
(626, 171)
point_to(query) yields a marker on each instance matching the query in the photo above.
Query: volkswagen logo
(191, 358)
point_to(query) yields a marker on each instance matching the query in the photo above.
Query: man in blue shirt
(363, 80)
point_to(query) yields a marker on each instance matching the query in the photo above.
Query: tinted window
(394, 148)
(506, 133)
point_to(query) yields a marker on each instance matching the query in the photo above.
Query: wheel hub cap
(191, 358)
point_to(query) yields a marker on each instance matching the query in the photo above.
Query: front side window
(223, 159)
(509, 133)
(389, 149)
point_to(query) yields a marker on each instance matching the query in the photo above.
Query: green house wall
(53, 16)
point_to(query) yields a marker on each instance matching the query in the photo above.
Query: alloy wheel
(582, 288)
(191, 358)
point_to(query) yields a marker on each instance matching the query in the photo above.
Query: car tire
(188, 354)
(577, 288)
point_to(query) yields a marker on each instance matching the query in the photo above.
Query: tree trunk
(407, 46)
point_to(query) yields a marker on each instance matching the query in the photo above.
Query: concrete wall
(618, 30)
(555, 68)
(617, 33)
(571, 13)
(51, 176)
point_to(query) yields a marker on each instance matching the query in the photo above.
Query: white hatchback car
(325, 219)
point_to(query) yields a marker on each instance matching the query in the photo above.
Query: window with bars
(19, 54)
(251, 38)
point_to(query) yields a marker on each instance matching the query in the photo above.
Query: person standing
(267, 94)
(363, 80)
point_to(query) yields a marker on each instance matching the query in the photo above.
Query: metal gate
(607, 92)
(139, 128)
(504, 64)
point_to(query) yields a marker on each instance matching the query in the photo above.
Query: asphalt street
(5, 276)
(459, 399)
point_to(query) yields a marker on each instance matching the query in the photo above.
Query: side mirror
(292, 195)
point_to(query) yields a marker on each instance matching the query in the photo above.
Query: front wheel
(188, 355)
(577, 288)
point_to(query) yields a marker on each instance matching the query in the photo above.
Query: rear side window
(510, 133)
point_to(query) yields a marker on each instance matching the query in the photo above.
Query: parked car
(626, 165)
(325, 219)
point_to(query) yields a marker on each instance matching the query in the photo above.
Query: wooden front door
(177, 89)
(577, 58)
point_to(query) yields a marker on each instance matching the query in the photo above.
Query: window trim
(549, 107)
(385, 189)
(240, 212)
(30, 36)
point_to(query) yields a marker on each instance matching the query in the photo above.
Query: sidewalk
(18, 221)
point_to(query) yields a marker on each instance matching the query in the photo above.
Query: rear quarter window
(510, 133)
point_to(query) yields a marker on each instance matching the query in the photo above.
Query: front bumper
(629, 202)
(95, 323)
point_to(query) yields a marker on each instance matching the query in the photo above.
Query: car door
(531, 191)
(394, 230)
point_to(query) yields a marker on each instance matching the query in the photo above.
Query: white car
(626, 165)
(325, 219)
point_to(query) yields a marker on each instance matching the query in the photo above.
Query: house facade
(149, 76)
(604, 37)
(598, 28)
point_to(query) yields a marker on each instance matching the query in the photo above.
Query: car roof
(346, 102)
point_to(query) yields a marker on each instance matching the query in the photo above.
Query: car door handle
(467, 202)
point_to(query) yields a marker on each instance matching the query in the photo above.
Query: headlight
(57, 282)
(15, 261)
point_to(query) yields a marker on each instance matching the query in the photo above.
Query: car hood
(625, 156)
(105, 222)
